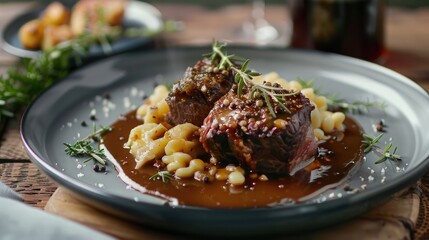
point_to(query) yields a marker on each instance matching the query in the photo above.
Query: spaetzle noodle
(322, 120)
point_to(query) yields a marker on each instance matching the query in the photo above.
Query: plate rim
(118, 202)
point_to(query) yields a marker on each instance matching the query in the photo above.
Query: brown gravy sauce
(325, 172)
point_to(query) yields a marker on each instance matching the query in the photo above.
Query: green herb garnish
(85, 148)
(337, 103)
(307, 84)
(169, 85)
(22, 83)
(243, 78)
(370, 144)
(385, 154)
(353, 107)
(164, 176)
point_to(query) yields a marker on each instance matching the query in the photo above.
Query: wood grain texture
(422, 226)
(11, 147)
(394, 220)
(64, 203)
(368, 228)
(34, 187)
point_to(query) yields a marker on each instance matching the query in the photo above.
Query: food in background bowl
(56, 14)
(31, 34)
(94, 15)
(57, 24)
(53, 35)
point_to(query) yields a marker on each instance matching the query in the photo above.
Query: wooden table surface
(407, 38)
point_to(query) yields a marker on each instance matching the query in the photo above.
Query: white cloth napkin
(19, 221)
(5, 191)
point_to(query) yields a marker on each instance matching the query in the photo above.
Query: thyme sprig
(370, 142)
(243, 78)
(357, 106)
(385, 154)
(85, 148)
(307, 84)
(164, 176)
(22, 83)
(334, 102)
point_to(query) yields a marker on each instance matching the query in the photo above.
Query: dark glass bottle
(350, 27)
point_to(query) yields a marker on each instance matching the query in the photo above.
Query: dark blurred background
(216, 3)
(220, 3)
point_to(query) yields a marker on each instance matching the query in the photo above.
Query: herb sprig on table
(22, 83)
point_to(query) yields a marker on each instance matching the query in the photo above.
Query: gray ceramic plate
(55, 117)
(137, 14)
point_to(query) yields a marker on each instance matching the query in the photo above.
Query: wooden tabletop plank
(422, 231)
(27, 180)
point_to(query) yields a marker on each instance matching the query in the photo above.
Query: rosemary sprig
(307, 84)
(370, 144)
(85, 148)
(243, 78)
(357, 106)
(169, 86)
(22, 83)
(337, 103)
(97, 133)
(385, 154)
(164, 176)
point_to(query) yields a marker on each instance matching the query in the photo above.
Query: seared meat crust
(192, 97)
(243, 131)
